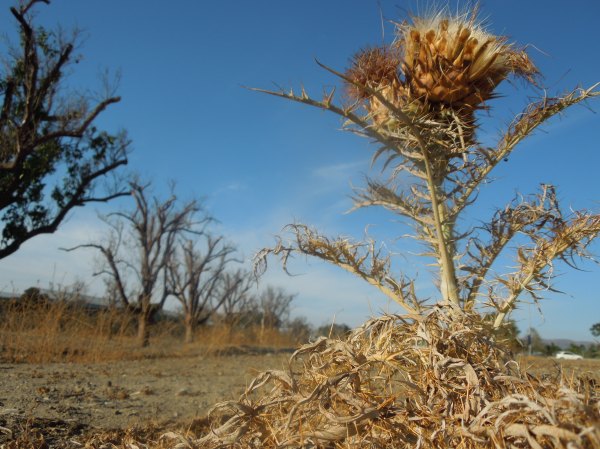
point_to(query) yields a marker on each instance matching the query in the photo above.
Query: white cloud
(340, 172)
(233, 186)
(327, 292)
(40, 261)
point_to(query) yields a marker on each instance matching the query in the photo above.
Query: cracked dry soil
(70, 400)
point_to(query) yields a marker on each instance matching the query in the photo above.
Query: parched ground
(63, 404)
(66, 402)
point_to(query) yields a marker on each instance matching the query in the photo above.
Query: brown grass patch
(60, 331)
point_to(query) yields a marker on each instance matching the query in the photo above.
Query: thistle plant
(431, 378)
(417, 100)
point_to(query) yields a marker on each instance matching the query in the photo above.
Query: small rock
(182, 392)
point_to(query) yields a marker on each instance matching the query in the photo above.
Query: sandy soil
(74, 399)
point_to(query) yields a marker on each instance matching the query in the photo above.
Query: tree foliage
(52, 156)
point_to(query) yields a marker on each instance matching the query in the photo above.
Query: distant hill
(564, 343)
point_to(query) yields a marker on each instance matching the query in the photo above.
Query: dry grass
(427, 381)
(59, 332)
(220, 338)
(56, 331)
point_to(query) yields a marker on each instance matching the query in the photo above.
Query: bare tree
(241, 308)
(239, 304)
(274, 305)
(139, 248)
(197, 278)
(52, 157)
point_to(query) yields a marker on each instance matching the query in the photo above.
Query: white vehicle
(568, 355)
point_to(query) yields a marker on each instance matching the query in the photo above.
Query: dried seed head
(374, 68)
(439, 71)
(452, 60)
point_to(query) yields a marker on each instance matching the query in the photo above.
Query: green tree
(595, 330)
(334, 330)
(593, 351)
(577, 348)
(550, 349)
(52, 157)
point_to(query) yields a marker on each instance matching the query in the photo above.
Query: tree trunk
(143, 336)
(190, 327)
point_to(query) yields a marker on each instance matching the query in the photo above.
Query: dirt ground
(70, 400)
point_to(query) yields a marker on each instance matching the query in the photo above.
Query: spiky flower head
(454, 61)
(373, 68)
(440, 68)
(377, 70)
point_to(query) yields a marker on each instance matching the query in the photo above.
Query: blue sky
(261, 163)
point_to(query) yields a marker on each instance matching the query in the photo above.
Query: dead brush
(425, 380)
(434, 378)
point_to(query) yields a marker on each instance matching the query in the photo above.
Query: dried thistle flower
(439, 71)
(452, 60)
(374, 68)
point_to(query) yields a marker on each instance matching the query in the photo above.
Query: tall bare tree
(241, 307)
(239, 304)
(196, 277)
(139, 249)
(274, 306)
(52, 156)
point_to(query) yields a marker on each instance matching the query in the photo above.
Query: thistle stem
(444, 230)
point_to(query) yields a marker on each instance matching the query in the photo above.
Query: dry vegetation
(410, 381)
(60, 332)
